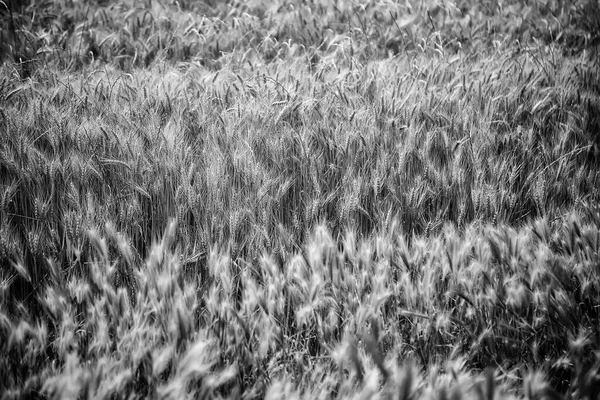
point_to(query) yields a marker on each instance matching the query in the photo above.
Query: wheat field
(300, 199)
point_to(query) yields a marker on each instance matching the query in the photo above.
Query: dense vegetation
(300, 199)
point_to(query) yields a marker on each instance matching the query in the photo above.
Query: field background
(300, 199)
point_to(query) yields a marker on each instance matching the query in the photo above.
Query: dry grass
(371, 200)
